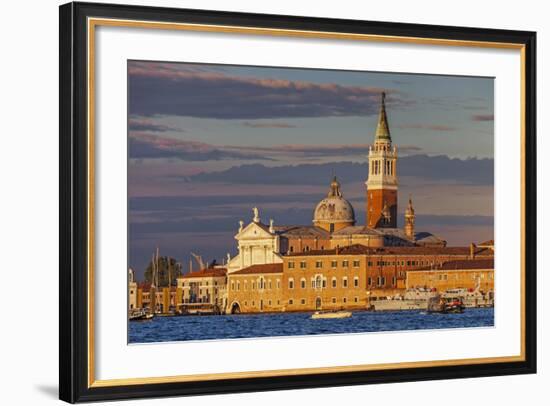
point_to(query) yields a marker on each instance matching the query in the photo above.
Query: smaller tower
(409, 220)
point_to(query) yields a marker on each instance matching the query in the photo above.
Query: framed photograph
(258, 202)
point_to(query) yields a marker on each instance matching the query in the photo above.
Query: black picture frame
(74, 385)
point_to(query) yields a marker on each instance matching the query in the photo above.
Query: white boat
(331, 315)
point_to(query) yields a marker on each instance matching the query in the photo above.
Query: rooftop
(205, 273)
(358, 249)
(259, 269)
(301, 231)
(485, 263)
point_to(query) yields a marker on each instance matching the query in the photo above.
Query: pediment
(254, 231)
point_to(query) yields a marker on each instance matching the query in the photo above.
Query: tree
(166, 266)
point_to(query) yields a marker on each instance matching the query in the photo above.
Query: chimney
(472, 250)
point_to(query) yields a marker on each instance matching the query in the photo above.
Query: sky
(207, 143)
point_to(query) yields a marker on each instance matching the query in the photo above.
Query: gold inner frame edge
(92, 23)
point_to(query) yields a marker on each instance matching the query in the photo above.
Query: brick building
(478, 274)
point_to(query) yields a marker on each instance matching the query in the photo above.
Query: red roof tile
(205, 273)
(258, 269)
(358, 249)
(486, 263)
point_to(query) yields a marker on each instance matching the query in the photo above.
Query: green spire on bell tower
(383, 129)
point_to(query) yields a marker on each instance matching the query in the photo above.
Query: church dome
(334, 212)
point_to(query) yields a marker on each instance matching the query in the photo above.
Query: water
(291, 324)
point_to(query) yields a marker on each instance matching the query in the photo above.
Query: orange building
(478, 274)
(346, 277)
(257, 288)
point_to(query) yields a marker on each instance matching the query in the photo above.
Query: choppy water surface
(290, 324)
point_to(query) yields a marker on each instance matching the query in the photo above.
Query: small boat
(140, 315)
(440, 304)
(331, 315)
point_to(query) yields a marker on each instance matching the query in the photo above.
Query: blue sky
(187, 121)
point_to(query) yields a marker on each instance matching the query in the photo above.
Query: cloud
(146, 124)
(483, 117)
(175, 89)
(299, 150)
(438, 168)
(267, 125)
(146, 145)
(428, 127)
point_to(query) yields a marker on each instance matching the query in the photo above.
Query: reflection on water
(292, 324)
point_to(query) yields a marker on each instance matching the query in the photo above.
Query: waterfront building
(132, 291)
(478, 274)
(257, 288)
(348, 277)
(204, 287)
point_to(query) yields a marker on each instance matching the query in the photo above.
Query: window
(333, 300)
(331, 227)
(345, 263)
(333, 282)
(278, 284)
(303, 301)
(303, 264)
(291, 248)
(370, 263)
(318, 282)
(238, 285)
(270, 284)
(318, 264)
(291, 283)
(313, 283)
(333, 264)
(356, 264)
(344, 299)
(345, 282)
(291, 265)
(356, 299)
(369, 281)
(393, 281)
(290, 301)
(324, 283)
(303, 283)
(356, 282)
(232, 285)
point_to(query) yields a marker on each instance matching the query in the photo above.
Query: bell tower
(409, 220)
(382, 180)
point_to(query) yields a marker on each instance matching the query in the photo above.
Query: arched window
(303, 283)
(333, 282)
(318, 282)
